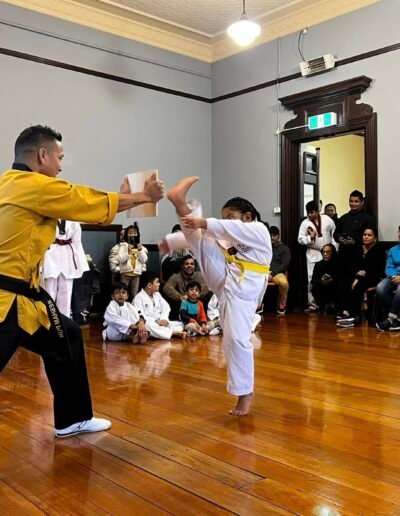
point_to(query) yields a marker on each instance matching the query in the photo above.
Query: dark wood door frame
(340, 98)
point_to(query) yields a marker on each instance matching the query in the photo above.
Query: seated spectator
(192, 312)
(132, 259)
(281, 257)
(324, 280)
(213, 316)
(368, 270)
(150, 303)
(315, 231)
(175, 290)
(121, 319)
(388, 290)
(170, 262)
(330, 210)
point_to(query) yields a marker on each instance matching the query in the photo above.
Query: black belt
(62, 350)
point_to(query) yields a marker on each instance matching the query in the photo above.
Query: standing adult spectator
(315, 231)
(31, 201)
(330, 210)
(175, 290)
(281, 257)
(64, 261)
(388, 290)
(349, 231)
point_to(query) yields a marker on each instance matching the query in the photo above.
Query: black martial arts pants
(68, 378)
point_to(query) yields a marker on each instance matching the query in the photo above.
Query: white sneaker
(90, 425)
(215, 331)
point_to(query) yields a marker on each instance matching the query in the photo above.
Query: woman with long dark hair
(368, 269)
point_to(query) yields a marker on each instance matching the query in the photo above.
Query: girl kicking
(234, 256)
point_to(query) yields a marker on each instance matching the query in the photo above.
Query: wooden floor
(323, 438)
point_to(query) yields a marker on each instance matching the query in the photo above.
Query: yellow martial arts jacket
(30, 204)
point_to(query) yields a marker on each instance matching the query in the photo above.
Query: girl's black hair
(135, 225)
(244, 206)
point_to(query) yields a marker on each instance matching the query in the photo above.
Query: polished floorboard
(323, 437)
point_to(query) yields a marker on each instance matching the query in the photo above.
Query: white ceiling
(195, 28)
(207, 17)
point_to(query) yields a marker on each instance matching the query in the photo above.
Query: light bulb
(244, 32)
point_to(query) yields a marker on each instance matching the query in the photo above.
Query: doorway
(352, 118)
(331, 169)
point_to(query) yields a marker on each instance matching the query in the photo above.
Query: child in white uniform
(234, 256)
(64, 261)
(121, 319)
(150, 303)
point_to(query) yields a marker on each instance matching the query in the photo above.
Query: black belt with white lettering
(62, 350)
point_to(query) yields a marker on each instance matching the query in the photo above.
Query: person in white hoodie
(150, 303)
(132, 258)
(315, 231)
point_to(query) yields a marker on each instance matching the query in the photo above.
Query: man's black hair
(330, 204)
(312, 206)
(193, 284)
(273, 230)
(33, 138)
(357, 193)
(187, 257)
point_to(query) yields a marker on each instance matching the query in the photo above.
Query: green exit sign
(321, 121)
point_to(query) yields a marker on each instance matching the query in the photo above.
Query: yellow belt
(243, 265)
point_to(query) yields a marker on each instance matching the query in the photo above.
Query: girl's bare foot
(177, 195)
(243, 405)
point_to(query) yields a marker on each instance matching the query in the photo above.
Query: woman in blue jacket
(388, 286)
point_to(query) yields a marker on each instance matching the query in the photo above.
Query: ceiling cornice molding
(167, 37)
(119, 25)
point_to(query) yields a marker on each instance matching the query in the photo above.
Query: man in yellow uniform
(31, 201)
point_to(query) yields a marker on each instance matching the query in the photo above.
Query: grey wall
(109, 128)
(245, 149)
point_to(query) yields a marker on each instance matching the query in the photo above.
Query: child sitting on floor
(192, 313)
(121, 319)
(155, 309)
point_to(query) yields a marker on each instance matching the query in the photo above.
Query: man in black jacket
(349, 231)
(281, 257)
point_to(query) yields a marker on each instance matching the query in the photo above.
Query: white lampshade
(244, 32)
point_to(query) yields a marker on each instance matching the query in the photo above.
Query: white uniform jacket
(314, 247)
(69, 259)
(153, 307)
(120, 317)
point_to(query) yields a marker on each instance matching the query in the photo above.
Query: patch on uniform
(243, 248)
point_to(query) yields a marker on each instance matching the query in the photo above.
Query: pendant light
(244, 31)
